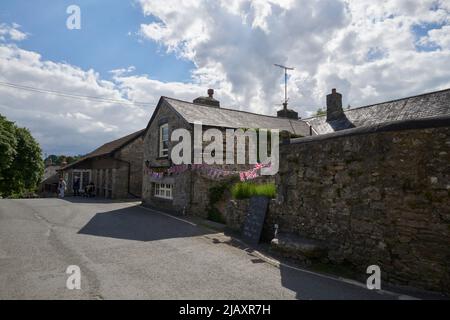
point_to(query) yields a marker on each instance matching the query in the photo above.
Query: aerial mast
(285, 103)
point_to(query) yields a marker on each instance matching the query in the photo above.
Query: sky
(134, 51)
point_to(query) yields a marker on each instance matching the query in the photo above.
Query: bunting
(208, 171)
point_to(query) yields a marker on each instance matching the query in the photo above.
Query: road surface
(127, 252)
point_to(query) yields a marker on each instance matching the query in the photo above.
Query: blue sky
(109, 38)
(370, 51)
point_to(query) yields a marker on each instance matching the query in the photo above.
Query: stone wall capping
(432, 122)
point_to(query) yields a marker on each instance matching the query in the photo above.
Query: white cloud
(367, 49)
(11, 32)
(437, 37)
(72, 126)
(122, 71)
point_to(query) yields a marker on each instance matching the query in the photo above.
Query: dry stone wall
(376, 195)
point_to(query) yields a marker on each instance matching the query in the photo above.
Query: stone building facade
(187, 192)
(115, 168)
(180, 195)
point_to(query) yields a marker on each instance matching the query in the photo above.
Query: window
(163, 190)
(164, 140)
(81, 178)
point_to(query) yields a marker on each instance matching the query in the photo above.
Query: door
(86, 178)
(76, 180)
(83, 176)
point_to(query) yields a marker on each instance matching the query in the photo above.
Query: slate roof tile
(426, 105)
(107, 148)
(230, 118)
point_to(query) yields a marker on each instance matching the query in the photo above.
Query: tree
(58, 160)
(21, 165)
(8, 144)
(320, 112)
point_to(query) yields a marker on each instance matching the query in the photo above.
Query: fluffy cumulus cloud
(370, 51)
(66, 123)
(62, 124)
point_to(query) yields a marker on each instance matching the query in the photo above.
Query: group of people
(89, 189)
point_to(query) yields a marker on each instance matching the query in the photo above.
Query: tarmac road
(127, 252)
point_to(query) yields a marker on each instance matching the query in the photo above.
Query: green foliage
(320, 112)
(216, 193)
(57, 160)
(21, 165)
(8, 144)
(245, 190)
(215, 215)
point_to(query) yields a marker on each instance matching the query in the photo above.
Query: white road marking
(277, 263)
(168, 215)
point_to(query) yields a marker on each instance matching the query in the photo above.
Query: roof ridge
(127, 139)
(115, 140)
(243, 111)
(388, 101)
(400, 99)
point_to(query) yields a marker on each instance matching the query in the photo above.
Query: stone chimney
(334, 106)
(287, 113)
(209, 100)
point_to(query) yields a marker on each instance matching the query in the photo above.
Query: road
(127, 252)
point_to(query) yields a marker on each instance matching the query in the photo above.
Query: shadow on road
(310, 286)
(135, 223)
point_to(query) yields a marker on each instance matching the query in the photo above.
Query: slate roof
(417, 107)
(230, 118)
(107, 148)
(49, 172)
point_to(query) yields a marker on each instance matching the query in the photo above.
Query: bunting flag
(204, 169)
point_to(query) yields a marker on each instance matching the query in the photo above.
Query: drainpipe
(311, 129)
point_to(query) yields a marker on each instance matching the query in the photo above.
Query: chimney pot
(209, 100)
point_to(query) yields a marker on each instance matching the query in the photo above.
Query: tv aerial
(286, 99)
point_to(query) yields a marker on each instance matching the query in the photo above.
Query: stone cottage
(115, 168)
(188, 192)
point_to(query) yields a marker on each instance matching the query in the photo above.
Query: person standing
(61, 187)
(76, 186)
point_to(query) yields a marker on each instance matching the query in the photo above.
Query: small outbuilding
(115, 169)
(49, 184)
